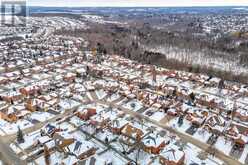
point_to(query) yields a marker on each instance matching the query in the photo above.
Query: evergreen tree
(192, 96)
(221, 84)
(20, 138)
(180, 120)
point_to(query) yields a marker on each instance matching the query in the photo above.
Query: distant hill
(139, 10)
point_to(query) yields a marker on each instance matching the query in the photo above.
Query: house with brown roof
(154, 144)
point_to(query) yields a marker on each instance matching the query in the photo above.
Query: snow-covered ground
(202, 135)
(133, 105)
(174, 124)
(192, 156)
(101, 94)
(41, 116)
(113, 97)
(199, 58)
(11, 128)
(100, 20)
(68, 104)
(223, 145)
(29, 140)
(157, 116)
(244, 154)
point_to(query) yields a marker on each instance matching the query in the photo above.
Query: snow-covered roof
(172, 153)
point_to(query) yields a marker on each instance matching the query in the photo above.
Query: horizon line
(136, 6)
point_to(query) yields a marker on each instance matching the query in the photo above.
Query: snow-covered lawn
(11, 128)
(192, 156)
(29, 140)
(85, 143)
(10, 86)
(113, 97)
(113, 157)
(133, 105)
(41, 116)
(56, 158)
(158, 116)
(76, 121)
(105, 134)
(101, 94)
(66, 127)
(79, 97)
(68, 104)
(110, 114)
(223, 145)
(173, 123)
(244, 154)
(202, 135)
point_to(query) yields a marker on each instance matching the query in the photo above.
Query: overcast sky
(136, 3)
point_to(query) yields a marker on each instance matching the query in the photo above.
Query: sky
(136, 3)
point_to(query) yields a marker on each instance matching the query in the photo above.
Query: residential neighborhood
(65, 105)
(62, 103)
